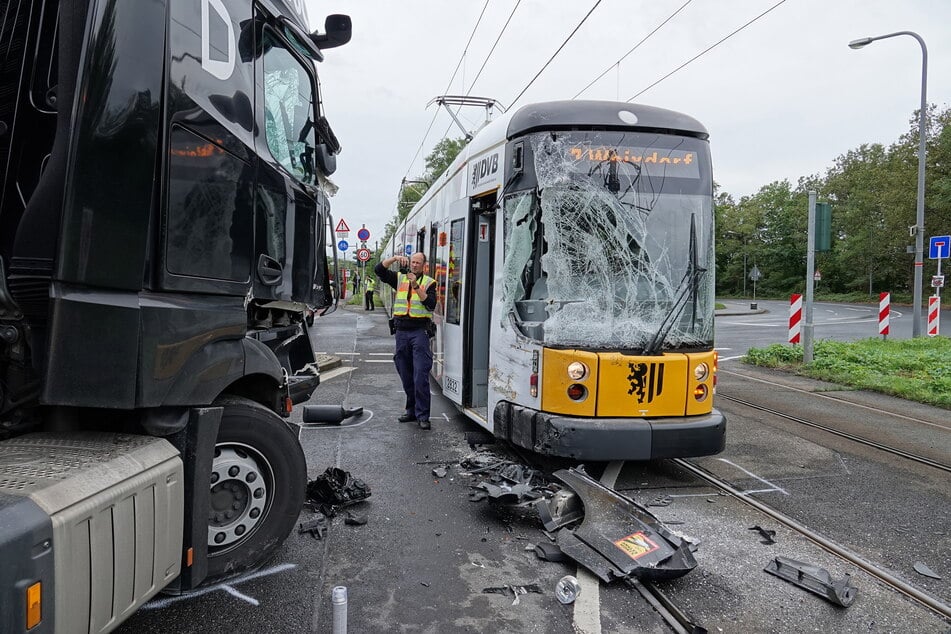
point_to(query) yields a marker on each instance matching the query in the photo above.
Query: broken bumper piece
(814, 579)
(619, 538)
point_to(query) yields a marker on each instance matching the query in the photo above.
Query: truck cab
(163, 222)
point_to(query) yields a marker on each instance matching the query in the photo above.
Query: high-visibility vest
(403, 306)
(371, 284)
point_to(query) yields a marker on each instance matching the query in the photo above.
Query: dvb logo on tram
(484, 170)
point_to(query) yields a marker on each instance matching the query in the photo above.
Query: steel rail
(864, 441)
(840, 551)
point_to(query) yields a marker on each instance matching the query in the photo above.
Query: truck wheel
(258, 483)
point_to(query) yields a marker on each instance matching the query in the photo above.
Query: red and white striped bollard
(795, 317)
(934, 309)
(884, 308)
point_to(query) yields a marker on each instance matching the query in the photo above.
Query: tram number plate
(452, 385)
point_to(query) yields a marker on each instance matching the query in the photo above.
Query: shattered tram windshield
(614, 248)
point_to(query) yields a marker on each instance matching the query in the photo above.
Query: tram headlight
(701, 372)
(577, 392)
(577, 371)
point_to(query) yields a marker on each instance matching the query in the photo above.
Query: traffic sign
(937, 281)
(342, 227)
(817, 276)
(940, 248)
(363, 234)
(343, 245)
(409, 249)
(363, 254)
(755, 274)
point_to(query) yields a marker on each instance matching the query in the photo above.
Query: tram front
(608, 285)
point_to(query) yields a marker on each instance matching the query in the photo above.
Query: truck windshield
(614, 247)
(288, 110)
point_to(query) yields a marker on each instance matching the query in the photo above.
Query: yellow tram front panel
(562, 394)
(642, 386)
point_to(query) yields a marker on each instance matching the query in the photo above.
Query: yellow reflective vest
(404, 305)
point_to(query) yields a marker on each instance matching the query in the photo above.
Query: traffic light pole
(807, 328)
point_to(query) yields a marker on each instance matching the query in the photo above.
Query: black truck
(163, 233)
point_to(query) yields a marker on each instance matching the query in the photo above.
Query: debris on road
(619, 538)
(549, 552)
(335, 488)
(814, 579)
(923, 569)
(516, 591)
(766, 534)
(316, 526)
(561, 509)
(567, 589)
(441, 472)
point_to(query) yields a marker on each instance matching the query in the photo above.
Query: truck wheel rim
(240, 488)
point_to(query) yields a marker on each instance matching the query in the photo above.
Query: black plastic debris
(355, 519)
(316, 526)
(924, 570)
(620, 538)
(814, 579)
(322, 415)
(550, 552)
(766, 534)
(336, 487)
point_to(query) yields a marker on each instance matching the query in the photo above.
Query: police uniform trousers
(414, 360)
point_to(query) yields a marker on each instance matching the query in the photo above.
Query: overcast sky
(782, 98)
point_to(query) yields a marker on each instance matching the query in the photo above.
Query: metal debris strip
(515, 590)
(814, 579)
(766, 534)
(620, 538)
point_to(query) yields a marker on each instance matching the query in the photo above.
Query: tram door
(478, 303)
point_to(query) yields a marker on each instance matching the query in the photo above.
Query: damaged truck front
(163, 208)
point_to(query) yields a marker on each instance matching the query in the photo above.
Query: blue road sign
(363, 234)
(343, 245)
(409, 249)
(940, 248)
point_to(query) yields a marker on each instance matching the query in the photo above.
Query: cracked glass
(613, 249)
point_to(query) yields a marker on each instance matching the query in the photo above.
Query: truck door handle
(270, 271)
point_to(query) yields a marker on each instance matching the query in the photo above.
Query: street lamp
(922, 135)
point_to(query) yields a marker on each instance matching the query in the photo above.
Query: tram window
(456, 253)
(288, 110)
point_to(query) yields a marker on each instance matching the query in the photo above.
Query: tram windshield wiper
(686, 292)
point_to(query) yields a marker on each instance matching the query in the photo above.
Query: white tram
(572, 245)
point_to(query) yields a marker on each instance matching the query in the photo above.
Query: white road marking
(587, 607)
(378, 360)
(226, 587)
(754, 476)
(332, 374)
(739, 356)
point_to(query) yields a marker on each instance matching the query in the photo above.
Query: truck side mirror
(337, 32)
(325, 159)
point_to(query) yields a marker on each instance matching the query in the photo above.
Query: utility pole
(807, 327)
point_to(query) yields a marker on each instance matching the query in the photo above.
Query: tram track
(837, 432)
(874, 570)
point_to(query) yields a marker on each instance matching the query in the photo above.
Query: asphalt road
(425, 558)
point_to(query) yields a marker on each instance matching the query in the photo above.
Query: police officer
(412, 314)
(368, 295)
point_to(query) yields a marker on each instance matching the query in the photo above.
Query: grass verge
(914, 369)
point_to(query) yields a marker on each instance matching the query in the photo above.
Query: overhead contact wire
(570, 35)
(636, 46)
(706, 50)
(454, 72)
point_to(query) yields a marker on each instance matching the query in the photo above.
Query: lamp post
(922, 136)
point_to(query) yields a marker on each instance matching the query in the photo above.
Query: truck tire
(258, 484)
